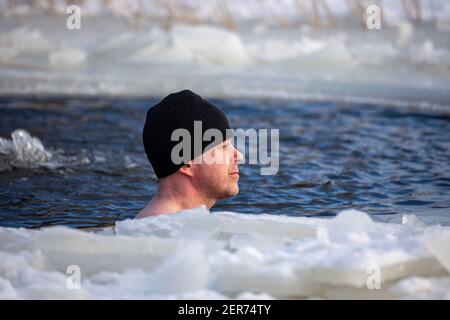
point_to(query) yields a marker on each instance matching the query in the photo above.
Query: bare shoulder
(150, 210)
(144, 213)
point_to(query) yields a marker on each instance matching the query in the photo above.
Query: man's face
(218, 174)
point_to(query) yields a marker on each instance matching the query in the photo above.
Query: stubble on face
(220, 178)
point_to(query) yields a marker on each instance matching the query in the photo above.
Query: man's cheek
(209, 157)
(217, 157)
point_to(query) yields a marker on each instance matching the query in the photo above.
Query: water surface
(382, 160)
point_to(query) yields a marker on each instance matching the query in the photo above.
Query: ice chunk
(24, 39)
(422, 288)
(196, 253)
(67, 58)
(7, 291)
(438, 243)
(196, 44)
(279, 49)
(200, 223)
(186, 271)
(404, 34)
(412, 221)
(350, 225)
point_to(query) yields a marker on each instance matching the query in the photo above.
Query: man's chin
(235, 191)
(231, 193)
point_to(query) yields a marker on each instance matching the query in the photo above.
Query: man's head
(217, 173)
(210, 165)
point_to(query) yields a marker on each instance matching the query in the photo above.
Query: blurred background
(363, 114)
(309, 49)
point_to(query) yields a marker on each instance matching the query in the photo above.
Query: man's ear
(187, 169)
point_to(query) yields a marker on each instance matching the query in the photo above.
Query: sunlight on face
(218, 174)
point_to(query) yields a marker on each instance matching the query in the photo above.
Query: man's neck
(174, 196)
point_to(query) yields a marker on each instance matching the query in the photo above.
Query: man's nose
(237, 155)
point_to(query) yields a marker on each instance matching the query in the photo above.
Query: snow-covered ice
(198, 254)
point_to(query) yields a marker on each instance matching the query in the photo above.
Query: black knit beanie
(179, 110)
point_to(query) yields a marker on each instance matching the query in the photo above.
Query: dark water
(384, 161)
